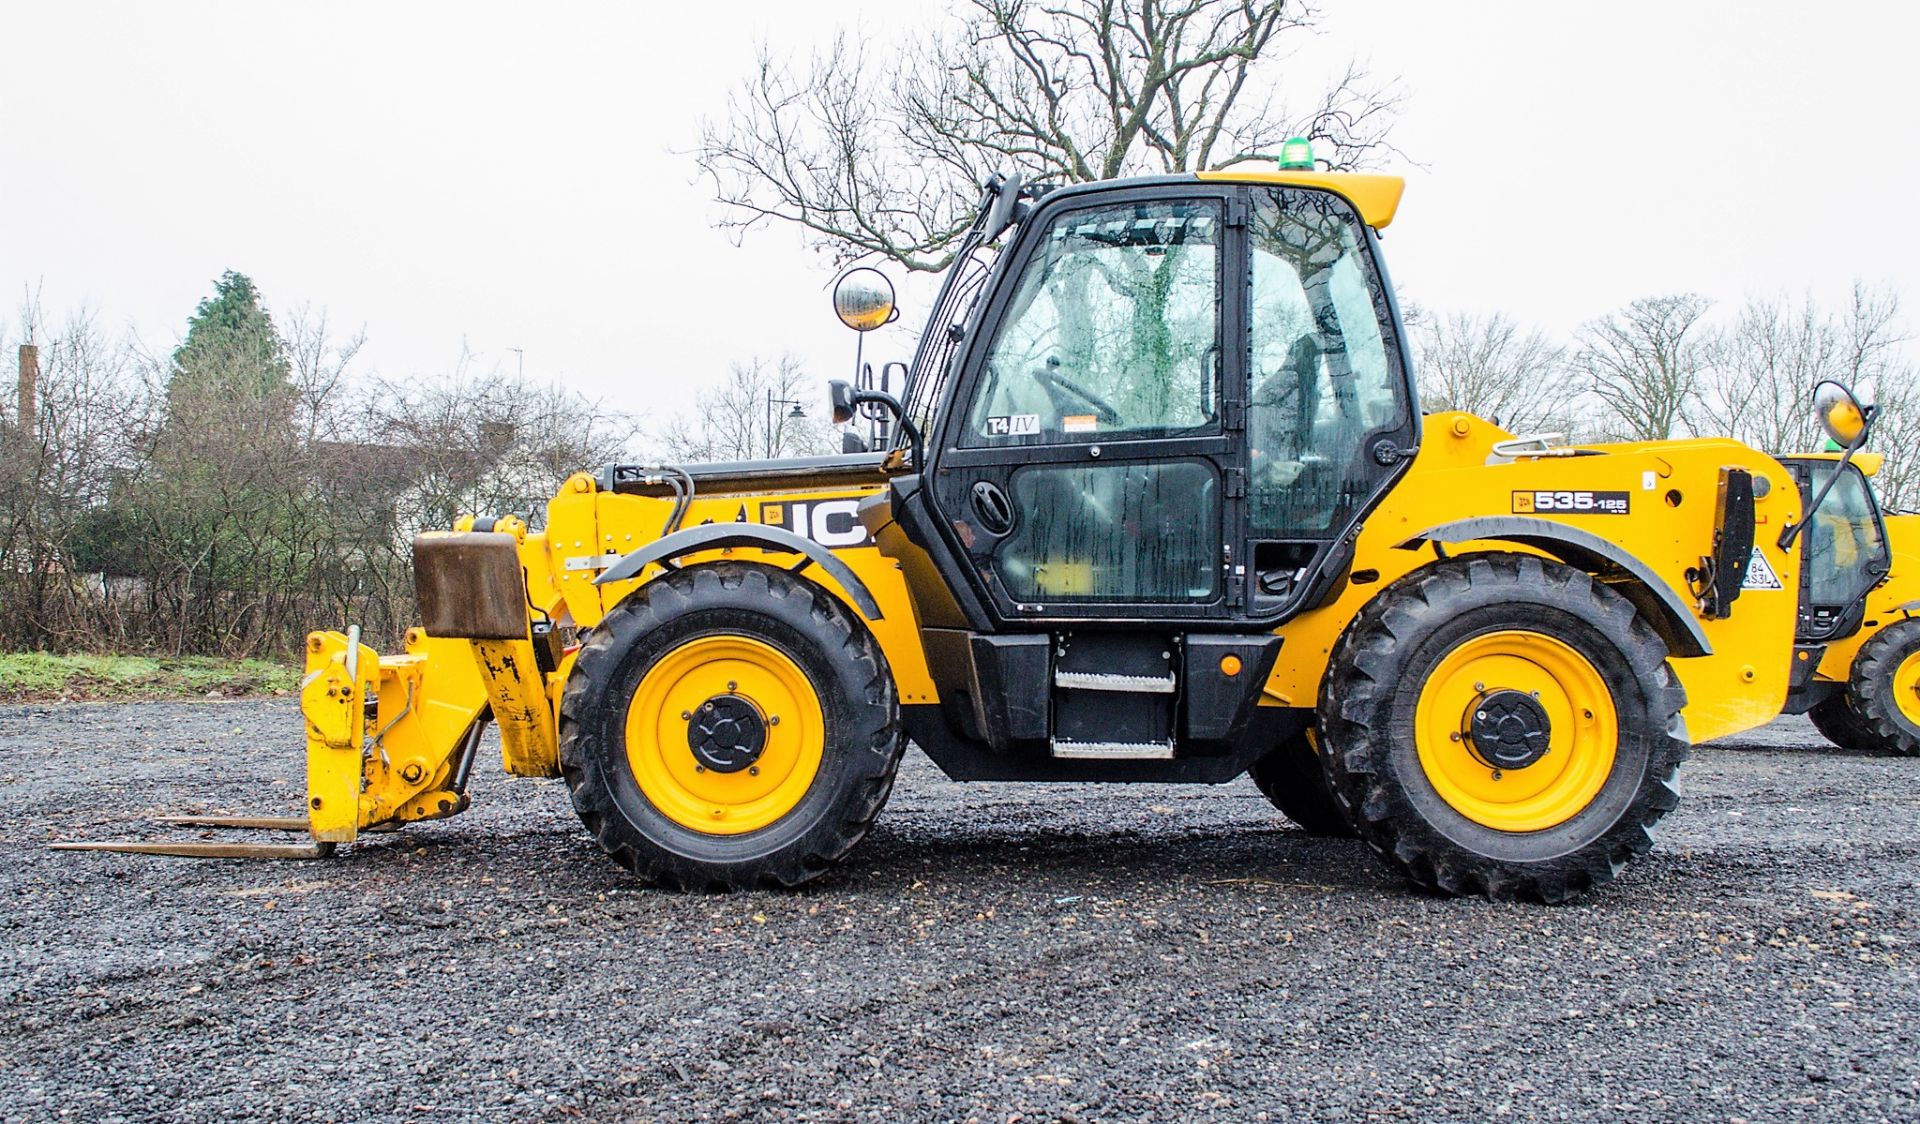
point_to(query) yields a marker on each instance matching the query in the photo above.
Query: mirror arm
(846, 399)
(899, 413)
(1791, 532)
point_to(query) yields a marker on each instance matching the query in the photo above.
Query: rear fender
(1665, 610)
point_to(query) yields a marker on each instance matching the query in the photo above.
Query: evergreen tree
(232, 354)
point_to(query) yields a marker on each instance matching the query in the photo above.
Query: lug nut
(773, 719)
(753, 770)
(686, 715)
(732, 686)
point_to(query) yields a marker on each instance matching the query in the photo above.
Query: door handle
(992, 507)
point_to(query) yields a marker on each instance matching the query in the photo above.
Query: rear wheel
(729, 725)
(1292, 779)
(1884, 689)
(1504, 726)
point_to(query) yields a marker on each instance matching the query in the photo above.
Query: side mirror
(1841, 414)
(840, 395)
(1848, 423)
(863, 299)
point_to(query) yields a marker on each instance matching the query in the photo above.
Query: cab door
(1090, 466)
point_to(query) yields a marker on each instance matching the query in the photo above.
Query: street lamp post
(773, 405)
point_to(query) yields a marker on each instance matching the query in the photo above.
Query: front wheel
(729, 725)
(1503, 725)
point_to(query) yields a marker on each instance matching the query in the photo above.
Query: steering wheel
(1047, 376)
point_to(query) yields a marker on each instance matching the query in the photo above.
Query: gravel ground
(991, 952)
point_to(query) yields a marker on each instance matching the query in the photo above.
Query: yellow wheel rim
(739, 670)
(1583, 722)
(1906, 688)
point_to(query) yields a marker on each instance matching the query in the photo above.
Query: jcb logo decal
(831, 523)
(1570, 503)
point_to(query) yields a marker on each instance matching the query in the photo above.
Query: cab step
(1113, 751)
(1106, 681)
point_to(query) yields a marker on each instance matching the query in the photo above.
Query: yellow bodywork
(429, 697)
(1671, 486)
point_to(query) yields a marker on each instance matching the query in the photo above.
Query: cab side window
(1113, 330)
(1322, 381)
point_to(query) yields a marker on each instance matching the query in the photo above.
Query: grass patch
(39, 677)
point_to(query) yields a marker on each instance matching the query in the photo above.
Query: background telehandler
(1857, 644)
(1159, 501)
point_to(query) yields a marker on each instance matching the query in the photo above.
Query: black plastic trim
(966, 759)
(1215, 707)
(1588, 551)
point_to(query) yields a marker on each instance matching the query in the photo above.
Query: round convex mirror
(863, 299)
(1841, 414)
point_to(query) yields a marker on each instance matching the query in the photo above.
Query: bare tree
(320, 365)
(484, 443)
(749, 416)
(1644, 362)
(884, 160)
(1871, 359)
(1487, 365)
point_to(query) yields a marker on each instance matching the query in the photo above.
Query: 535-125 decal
(1570, 503)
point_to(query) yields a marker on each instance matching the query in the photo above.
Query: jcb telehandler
(1856, 670)
(1159, 502)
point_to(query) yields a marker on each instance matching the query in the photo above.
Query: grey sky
(514, 175)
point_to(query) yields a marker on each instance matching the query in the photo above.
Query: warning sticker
(1760, 573)
(1013, 425)
(1570, 503)
(1080, 423)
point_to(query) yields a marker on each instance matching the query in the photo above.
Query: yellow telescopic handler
(1157, 504)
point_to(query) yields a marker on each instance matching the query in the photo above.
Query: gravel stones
(992, 952)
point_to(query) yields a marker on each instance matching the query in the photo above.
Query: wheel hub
(727, 734)
(1508, 729)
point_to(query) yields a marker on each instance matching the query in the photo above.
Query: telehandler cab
(1160, 501)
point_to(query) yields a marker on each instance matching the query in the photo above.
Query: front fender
(718, 536)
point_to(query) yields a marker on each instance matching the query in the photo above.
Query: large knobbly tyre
(1503, 725)
(729, 725)
(1836, 721)
(1884, 689)
(1292, 780)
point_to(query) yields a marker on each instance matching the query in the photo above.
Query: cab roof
(1375, 197)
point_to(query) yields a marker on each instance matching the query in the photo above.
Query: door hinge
(1235, 480)
(1233, 414)
(1236, 211)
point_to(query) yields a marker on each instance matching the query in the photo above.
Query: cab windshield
(1846, 552)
